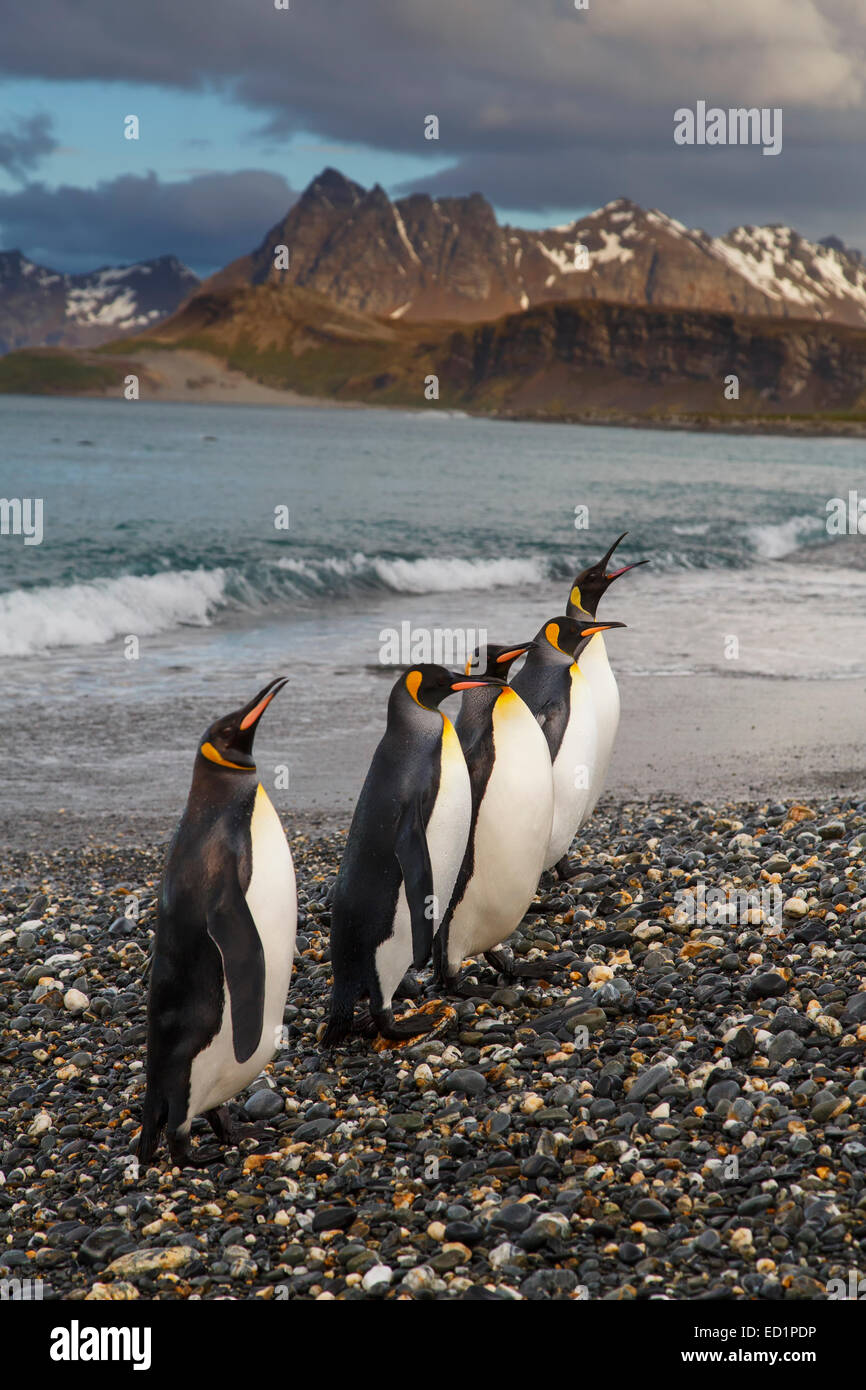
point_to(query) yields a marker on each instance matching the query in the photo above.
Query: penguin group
(451, 833)
(454, 827)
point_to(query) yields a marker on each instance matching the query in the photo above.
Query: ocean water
(159, 525)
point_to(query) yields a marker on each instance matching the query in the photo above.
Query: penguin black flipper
(231, 927)
(553, 718)
(413, 856)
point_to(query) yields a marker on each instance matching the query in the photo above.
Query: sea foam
(73, 615)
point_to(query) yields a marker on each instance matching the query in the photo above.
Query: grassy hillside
(54, 372)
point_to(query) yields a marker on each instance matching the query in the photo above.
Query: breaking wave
(77, 615)
(98, 610)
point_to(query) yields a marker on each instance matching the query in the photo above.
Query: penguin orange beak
(625, 569)
(473, 685)
(600, 627)
(259, 703)
(514, 653)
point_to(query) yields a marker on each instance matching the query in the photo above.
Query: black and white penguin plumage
(553, 686)
(511, 779)
(225, 938)
(403, 853)
(586, 591)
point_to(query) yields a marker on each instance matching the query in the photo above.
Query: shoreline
(177, 376)
(682, 739)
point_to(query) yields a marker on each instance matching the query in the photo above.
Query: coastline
(682, 738)
(191, 376)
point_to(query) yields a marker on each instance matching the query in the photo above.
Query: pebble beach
(674, 1109)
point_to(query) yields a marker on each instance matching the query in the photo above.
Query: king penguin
(511, 779)
(225, 938)
(553, 686)
(586, 591)
(403, 853)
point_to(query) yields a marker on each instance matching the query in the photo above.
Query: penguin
(555, 689)
(404, 850)
(586, 591)
(225, 937)
(511, 780)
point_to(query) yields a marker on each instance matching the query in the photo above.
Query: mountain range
(448, 258)
(623, 315)
(44, 308)
(424, 259)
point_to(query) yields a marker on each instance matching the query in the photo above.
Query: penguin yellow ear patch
(551, 632)
(413, 683)
(574, 597)
(214, 756)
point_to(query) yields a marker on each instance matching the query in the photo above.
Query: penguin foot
(409, 1026)
(221, 1123)
(183, 1156)
(465, 984)
(364, 1026)
(432, 1017)
(566, 868)
(504, 962)
(202, 1158)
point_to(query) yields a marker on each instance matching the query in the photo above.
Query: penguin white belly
(216, 1075)
(512, 832)
(605, 698)
(447, 835)
(573, 769)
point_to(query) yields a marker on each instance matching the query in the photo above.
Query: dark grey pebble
(264, 1104)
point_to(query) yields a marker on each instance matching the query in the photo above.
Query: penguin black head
(566, 634)
(592, 583)
(229, 741)
(429, 685)
(498, 659)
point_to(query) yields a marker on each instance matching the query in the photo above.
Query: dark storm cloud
(22, 149)
(715, 189)
(540, 105)
(205, 220)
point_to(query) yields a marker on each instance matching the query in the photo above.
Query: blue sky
(184, 134)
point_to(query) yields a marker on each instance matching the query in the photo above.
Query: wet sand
(681, 739)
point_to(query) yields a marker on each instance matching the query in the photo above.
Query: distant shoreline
(188, 376)
(253, 393)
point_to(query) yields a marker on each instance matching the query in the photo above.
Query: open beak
(252, 713)
(625, 569)
(606, 558)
